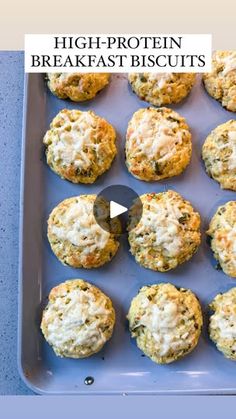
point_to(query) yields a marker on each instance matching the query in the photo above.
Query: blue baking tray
(120, 367)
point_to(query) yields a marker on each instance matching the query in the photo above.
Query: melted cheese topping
(224, 319)
(161, 79)
(74, 140)
(76, 319)
(161, 221)
(153, 138)
(163, 320)
(78, 225)
(226, 325)
(229, 63)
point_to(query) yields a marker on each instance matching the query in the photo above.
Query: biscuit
(77, 86)
(165, 321)
(222, 231)
(158, 144)
(80, 146)
(221, 82)
(75, 236)
(168, 233)
(78, 319)
(219, 154)
(162, 88)
(222, 323)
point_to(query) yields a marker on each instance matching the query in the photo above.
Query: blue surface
(116, 407)
(11, 97)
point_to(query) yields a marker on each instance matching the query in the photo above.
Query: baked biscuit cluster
(166, 321)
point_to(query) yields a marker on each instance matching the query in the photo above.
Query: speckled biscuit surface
(158, 144)
(222, 231)
(221, 82)
(222, 326)
(168, 233)
(80, 146)
(219, 154)
(165, 321)
(162, 88)
(78, 319)
(77, 86)
(75, 236)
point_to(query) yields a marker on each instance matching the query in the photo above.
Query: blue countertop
(11, 98)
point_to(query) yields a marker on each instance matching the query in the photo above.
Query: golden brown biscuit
(80, 146)
(75, 236)
(221, 82)
(219, 154)
(77, 86)
(222, 231)
(78, 319)
(222, 326)
(165, 321)
(168, 233)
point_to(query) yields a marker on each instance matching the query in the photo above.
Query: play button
(116, 209)
(118, 201)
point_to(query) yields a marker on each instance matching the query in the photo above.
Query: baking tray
(120, 367)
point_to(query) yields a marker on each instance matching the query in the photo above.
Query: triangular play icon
(116, 209)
